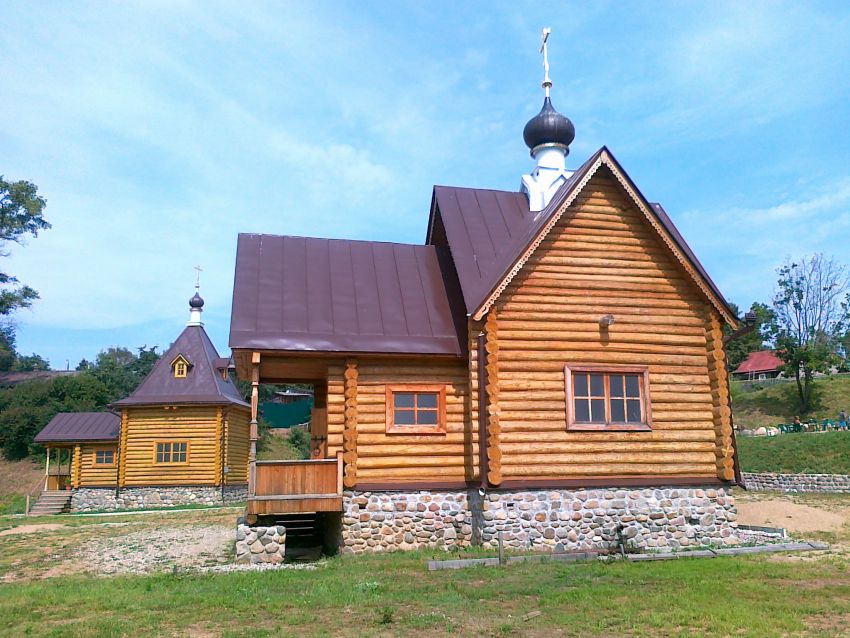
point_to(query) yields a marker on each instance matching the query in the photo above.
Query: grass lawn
(44, 590)
(394, 595)
(802, 453)
(778, 403)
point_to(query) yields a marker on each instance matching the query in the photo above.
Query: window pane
(403, 399)
(426, 400)
(597, 385)
(616, 384)
(580, 385)
(109, 457)
(582, 411)
(633, 411)
(632, 385)
(597, 410)
(404, 417)
(427, 417)
(618, 411)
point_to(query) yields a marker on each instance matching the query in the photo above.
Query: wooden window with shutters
(608, 398)
(171, 453)
(416, 409)
(104, 458)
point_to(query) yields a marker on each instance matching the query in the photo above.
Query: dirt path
(793, 516)
(29, 529)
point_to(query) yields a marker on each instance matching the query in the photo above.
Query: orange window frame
(415, 389)
(97, 451)
(642, 373)
(170, 453)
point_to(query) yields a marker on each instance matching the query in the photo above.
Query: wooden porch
(294, 487)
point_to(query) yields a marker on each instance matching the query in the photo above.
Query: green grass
(779, 403)
(802, 453)
(277, 448)
(394, 595)
(12, 504)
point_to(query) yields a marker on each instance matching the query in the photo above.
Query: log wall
(603, 257)
(198, 425)
(86, 473)
(237, 442)
(357, 423)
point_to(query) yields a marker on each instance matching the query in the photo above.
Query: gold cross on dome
(198, 270)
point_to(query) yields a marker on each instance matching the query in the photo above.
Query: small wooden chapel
(180, 438)
(548, 367)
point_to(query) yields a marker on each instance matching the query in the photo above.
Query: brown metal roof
(487, 231)
(203, 382)
(81, 426)
(336, 295)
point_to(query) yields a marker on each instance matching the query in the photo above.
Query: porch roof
(81, 426)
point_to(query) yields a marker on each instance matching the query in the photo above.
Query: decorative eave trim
(605, 159)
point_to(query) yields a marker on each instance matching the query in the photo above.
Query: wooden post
(494, 450)
(255, 406)
(76, 466)
(47, 469)
(349, 432)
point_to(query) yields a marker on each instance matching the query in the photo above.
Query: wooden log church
(548, 367)
(180, 438)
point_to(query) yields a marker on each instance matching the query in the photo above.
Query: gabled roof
(492, 234)
(202, 384)
(81, 426)
(761, 361)
(337, 295)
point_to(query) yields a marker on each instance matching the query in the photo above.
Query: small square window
(415, 409)
(104, 457)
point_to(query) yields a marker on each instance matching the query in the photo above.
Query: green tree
(811, 312)
(738, 349)
(7, 346)
(31, 363)
(21, 214)
(26, 408)
(121, 370)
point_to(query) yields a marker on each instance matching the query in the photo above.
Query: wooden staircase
(51, 502)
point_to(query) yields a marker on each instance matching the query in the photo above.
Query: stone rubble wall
(260, 544)
(796, 482)
(103, 499)
(548, 520)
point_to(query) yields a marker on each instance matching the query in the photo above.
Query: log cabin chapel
(180, 438)
(547, 367)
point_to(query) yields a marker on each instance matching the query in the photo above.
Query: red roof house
(763, 364)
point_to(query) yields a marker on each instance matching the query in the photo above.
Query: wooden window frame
(103, 449)
(438, 428)
(156, 444)
(608, 426)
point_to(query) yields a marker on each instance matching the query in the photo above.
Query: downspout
(483, 460)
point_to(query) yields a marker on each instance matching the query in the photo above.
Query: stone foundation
(547, 520)
(260, 544)
(104, 499)
(797, 482)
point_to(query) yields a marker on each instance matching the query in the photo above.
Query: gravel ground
(155, 550)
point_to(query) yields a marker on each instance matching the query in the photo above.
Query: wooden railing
(297, 486)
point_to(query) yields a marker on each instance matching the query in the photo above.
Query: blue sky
(159, 130)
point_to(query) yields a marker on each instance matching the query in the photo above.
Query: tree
(30, 363)
(21, 214)
(738, 349)
(121, 370)
(811, 308)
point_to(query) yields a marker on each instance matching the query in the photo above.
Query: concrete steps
(51, 502)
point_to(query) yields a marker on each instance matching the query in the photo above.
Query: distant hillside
(802, 453)
(778, 403)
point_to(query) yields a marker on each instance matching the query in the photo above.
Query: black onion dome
(548, 127)
(196, 302)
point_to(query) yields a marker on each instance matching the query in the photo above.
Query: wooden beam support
(349, 432)
(254, 435)
(494, 450)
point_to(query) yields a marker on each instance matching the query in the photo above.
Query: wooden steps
(51, 502)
